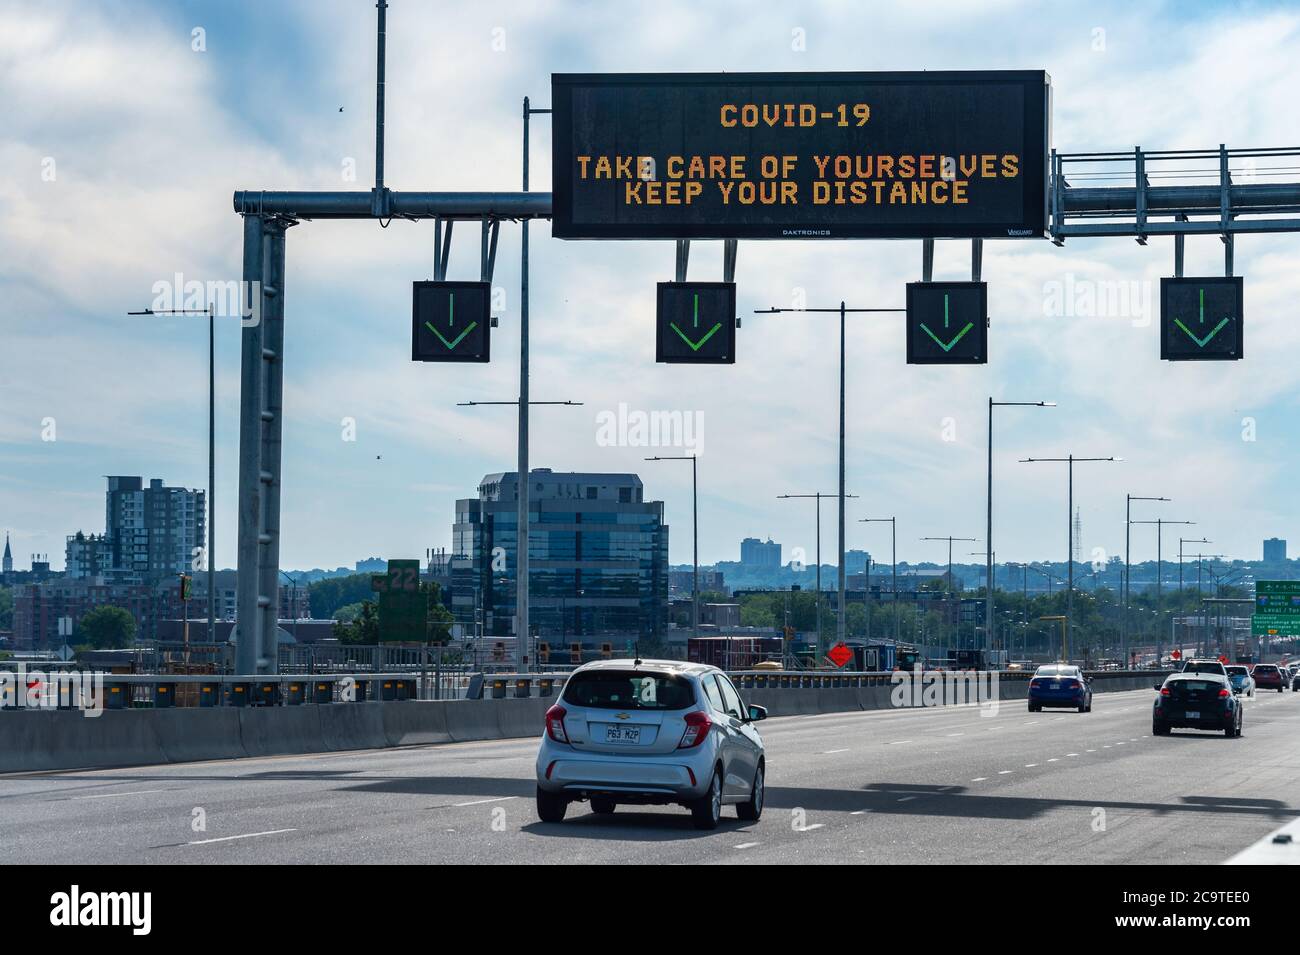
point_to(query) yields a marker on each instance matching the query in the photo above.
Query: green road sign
(695, 323)
(451, 321)
(1277, 607)
(403, 606)
(1201, 318)
(947, 323)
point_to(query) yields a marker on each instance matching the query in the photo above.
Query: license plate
(1056, 686)
(1193, 714)
(622, 734)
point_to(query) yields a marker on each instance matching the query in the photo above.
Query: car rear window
(1265, 668)
(629, 690)
(1056, 671)
(1237, 671)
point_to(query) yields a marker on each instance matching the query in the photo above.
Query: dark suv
(1202, 701)
(1268, 677)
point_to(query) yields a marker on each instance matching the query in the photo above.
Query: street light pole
(893, 557)
(1181, 542)
(1160, 524)
(818, 497)
(988, 534)
(209, 554)
(695, 533)
(950, 539)
(842, 311)
(1128, 525)
(522, 636)
(1069, 461)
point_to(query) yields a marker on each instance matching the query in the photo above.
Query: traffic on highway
(697, 434)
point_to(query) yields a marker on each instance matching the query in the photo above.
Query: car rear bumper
(1058, 697)
(1218, 721)
(666, 779)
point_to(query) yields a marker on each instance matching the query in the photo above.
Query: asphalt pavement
(909, 786)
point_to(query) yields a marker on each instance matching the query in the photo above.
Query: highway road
(919, 786)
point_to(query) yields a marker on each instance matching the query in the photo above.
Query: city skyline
(916, 437)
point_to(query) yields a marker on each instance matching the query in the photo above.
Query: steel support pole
(893, 534)
(988, 540)
(1128, 528)
(272, 418)
(817, 605)
(695, 534)
(521, 534)
(248, 639)
(843, 610)
(210, 552)
(1069, 561)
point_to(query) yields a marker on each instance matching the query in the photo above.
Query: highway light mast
(818, 497)
(695, 535)
(988, 534)
(1070, 461)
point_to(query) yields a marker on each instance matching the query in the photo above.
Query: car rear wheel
(1159, 729)
(1034, 708)
(551, 806)
(752, 808)
(707, 810)
(602, 805)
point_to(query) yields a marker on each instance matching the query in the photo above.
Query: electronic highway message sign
(1201, 319)
(800, 155)
(451, 321)
(695, 323)
(947, 323)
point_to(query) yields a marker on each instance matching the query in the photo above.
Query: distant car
(651, 732)
(1240, 679)
(1268, 677)
(1202, 701)
(1204, 666)
(1060, 685)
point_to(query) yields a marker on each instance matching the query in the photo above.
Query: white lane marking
(1004, 772)
(832, 752)
(904, 798)
(1054, 759)
(898, 741)
(1030, 765)
(747, 845)
(815, 825)
(480, 802)
(1120, 743)
(1071, 754)
(247, 835)
(1090, 751)
(951, 735)
(134, 792)
(979, 779)
(1030, 722)
(858, 812)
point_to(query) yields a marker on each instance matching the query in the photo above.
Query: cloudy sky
(122, 144)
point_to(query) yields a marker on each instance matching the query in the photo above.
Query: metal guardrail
(66, 689)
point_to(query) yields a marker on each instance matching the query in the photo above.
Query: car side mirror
(757, 713)
(1158, 686)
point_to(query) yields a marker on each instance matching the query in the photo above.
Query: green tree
(439, 620)
(106, 628)
(364, 630)
(328, 595)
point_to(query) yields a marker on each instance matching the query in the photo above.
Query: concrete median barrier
(469, 720)
(190, 735)
(346, 726)
(416, 723)
(38, 741)
(520, 719)
(280, 730)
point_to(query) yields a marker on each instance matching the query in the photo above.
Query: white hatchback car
(651, 732)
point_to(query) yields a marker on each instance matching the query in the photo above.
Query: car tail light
(1074, 684)
(698, 725)
(1035, 683)
(1224, 693)
(555, 724)
(1164, 691)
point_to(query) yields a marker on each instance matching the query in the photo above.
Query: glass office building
(597, 551)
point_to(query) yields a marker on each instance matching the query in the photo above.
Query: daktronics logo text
(77, 908)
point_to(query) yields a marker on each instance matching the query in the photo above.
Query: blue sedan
(1060, 685)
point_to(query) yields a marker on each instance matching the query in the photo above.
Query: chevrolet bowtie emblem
(623, 716)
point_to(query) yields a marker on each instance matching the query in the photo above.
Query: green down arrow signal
(1202, 342)
(455, 341)
(949, 345)
(695, 346)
